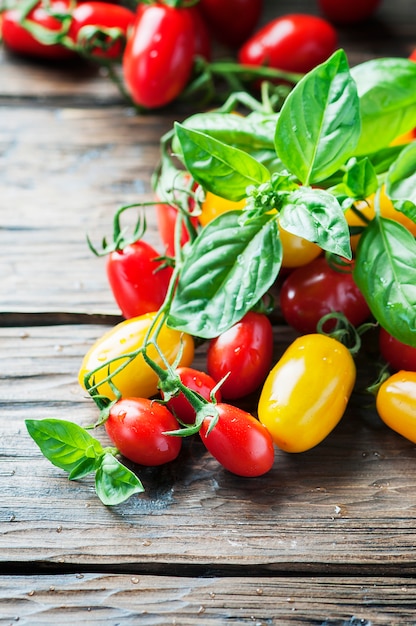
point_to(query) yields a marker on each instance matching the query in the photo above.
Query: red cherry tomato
(244, 352)
(412, 56)
(158, 57)
(239, 442)
(166, 216)
(136, 426)
(397, 354)
(202, 38)
(295, 43)
(138, 284)
(231, 21)
(197, 381)
(316, 289)
(349, 12)
(19, 40)
(104, 16)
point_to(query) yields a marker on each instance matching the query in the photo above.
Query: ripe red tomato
(202, 38)
(316, 289)
(231, 21)
(158, 58)
(412, 56)
(239, 442)
(19, 40)
(348, 12)
(397, 354)
(138, 284)
(197, 381)
(295, 43)
(103, 16)
(136, 426)
(244, 352)
(166, 216)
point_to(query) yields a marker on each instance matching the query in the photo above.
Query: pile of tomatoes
(164, 48)
(141, 373)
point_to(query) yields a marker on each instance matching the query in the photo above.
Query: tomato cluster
(163, 47)
(268, 202)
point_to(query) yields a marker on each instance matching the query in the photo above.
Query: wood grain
(170, 600)
(328, 510)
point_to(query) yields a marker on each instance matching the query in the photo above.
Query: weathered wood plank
(349, 503)
(152, 601)
(63, 174)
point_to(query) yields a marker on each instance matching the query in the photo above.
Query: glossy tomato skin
(294, 42)
(19, 40)
(137, 379)
(244, 352)
(316, 289)
(202, 38)
(231, 21)
(297, 251)
(103, 15)
(239, 442)
(158, 57)
(166, 216)
(396, 403)
(138, 283)
(136, 426)
(307, 391)
(397, 354)
(349, 12)
(198, 381)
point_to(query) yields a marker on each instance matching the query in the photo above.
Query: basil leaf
(114, 482)
(219, 168)
(387, 92)
(66, 445)
(227, 269)
(317, 216)
(385, 273)
(360, 179)
(253, 132)
(401, 182)
(319, 124)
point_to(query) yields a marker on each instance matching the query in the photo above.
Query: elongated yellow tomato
(136, 379)
(396, 403)
(306, 393)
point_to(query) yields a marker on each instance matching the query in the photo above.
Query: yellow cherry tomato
(366, 209)
(213, 206)
(396, 403)
(297, 251)
(137, 379)
(306, 393)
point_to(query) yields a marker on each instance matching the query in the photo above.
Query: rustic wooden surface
(327, 538)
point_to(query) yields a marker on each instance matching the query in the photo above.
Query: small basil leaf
(361, 179)
(387, 92)
(65, 445)
(228, 268)
(401, 182)
(317, 216)
(114, 482)
(218, 167)
(319, 124)
(385, 272)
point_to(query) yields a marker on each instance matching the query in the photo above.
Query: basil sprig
(333, 132)
(71, 448)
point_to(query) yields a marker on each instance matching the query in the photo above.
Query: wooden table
(327, 537)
